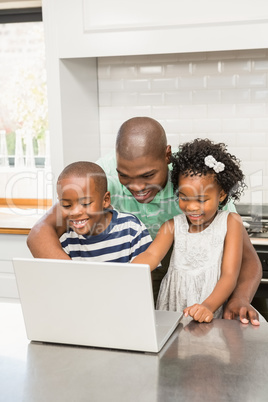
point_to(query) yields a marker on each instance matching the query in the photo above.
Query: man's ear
(107, 200)
(168, 153)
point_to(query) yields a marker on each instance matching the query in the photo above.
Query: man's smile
(141, 196)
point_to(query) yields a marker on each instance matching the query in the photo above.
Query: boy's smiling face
(83, 205)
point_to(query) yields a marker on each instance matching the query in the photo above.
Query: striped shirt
(124, 238)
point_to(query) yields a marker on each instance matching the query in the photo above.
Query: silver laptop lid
(95, 304)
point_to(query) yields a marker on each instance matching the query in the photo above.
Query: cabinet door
(88, 28)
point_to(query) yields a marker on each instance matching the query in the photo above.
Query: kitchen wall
(219, 95)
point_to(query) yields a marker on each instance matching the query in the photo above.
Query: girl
(207, 252)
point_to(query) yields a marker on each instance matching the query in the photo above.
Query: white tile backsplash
(178, 97)
(150, 70)
(150, 98)
(176, 69)
(237, 125)
(259, 95)
(191, 82)
(235, 95)
(260, 124)
(251, 110)
(222, 110)
(108, 84)
(224, 81)
(138, 85)
(207, 96)
(260, 65)
(165, 112)
(205, 67)
(236, 66)
(188, 111)
(163, 84)
(219, 95)
(252, 81)
(207, 126)
(249, 140)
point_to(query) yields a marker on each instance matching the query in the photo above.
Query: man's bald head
(139, 137)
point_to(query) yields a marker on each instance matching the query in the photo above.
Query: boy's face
(145, 176)
(83, 205)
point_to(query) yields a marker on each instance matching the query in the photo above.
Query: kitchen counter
(259, 241)
(221, 361)
(19, 220)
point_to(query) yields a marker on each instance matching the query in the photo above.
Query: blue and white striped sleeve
(65, 243)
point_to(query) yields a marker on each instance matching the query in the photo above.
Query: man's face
(145, 176)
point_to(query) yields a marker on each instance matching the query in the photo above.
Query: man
(138, 181)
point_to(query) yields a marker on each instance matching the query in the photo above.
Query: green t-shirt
(163, 207)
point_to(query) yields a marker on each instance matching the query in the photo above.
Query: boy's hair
(86, 169)
(190, 161)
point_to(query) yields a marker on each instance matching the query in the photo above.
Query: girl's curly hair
(189, 161)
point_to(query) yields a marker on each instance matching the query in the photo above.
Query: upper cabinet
(90, 28)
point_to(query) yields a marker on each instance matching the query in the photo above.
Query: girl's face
(199, 198)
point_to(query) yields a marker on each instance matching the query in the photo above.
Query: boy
(94, 231)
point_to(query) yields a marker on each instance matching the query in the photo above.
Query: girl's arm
(230, 268)
(158, 248)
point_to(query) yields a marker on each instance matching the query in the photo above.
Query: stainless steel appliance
(255, 219)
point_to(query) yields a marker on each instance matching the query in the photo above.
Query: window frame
(20, 15)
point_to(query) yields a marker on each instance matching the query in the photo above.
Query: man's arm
(43, 239)
(247, 285)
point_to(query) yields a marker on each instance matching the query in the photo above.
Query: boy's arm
(247, 285)
(158, 248)
(230, 267)
(43, 239)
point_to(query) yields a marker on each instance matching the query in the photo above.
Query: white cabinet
(10, 246)
(89, 28)
(78, 32)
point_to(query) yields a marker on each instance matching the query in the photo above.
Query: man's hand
(236, 307)
(199, 313)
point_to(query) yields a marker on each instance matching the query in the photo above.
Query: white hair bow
(211, 162)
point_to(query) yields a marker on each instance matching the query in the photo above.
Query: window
(24, 137)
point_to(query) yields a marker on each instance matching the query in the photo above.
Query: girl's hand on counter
(199, 313)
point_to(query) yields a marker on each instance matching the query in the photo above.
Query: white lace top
(195, 264)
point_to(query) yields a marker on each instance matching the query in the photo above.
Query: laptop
(95, 304)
